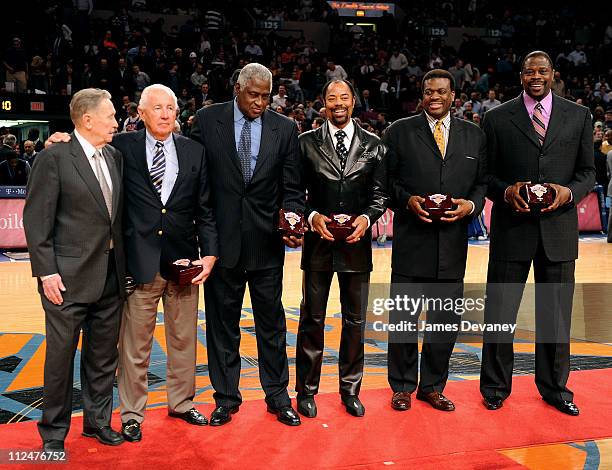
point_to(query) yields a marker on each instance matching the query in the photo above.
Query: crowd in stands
(69, 47)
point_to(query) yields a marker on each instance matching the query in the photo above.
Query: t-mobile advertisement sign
(12, 234)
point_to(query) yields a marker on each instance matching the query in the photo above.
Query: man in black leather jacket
(344, 174)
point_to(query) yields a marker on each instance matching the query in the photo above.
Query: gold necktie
(439, 136)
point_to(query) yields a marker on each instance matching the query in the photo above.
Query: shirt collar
(445, 120)
(239, 116)
(87, 147)
(530, 103)
(151, 141)
(349, 129)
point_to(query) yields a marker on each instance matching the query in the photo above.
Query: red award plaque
(437, 204)
(538, 195)
(291, 224)
(182, 271)
(341, 225)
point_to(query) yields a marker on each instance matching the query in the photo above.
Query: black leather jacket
(359, 190)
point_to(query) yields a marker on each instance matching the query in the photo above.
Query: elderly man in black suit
(254, 171)
(537, 137)
(344, 173)
(72, 220)
(431, 154)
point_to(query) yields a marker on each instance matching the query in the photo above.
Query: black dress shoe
(222, 415)
(191, 416)
(307, 406)
(131, 431)
(491, 402)
(53, 445)
(401, 401)
(353, 405)
(567, 407)
(105, 435)
(436, 399)
(285, 415)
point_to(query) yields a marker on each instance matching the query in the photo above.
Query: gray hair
(157, 86)
(254, 71)
(10, 140)
(86, 100)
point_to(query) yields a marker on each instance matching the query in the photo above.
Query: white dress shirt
(89, 151)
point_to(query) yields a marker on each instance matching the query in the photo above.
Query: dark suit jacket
(514, 154)
(66, 221)
(248, 217)
(186, 222)
(416, 167)
(361, 189)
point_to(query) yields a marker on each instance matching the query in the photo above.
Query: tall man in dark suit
(72, 219)
(344, 173)
(541, 138)
(254, 171)
(431, 153)
(167, 217)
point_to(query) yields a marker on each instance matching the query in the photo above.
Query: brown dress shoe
(437, 400)
(400, 401)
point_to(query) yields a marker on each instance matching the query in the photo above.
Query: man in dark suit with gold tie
(537, 137)
(438, 155)
(72, 219)
(344, 173)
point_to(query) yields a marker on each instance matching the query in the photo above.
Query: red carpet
(422, 436)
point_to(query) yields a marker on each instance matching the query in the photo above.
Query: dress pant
(554, 290)
(402, 356)
(136, 341)
(310, 340)
(224, 294)
(100, 322)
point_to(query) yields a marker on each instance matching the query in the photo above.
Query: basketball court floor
(22, 349)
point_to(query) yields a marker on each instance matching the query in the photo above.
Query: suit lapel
(327, 146)
(425, 134)
(111, 163)
(268, 141)
(555, 124)
(358, 146)
(520, 118)
(454, 138)
(182, 164)
(84, 169)
(225, 129)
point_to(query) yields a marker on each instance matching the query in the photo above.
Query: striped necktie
(538, 122)
(244, 151)
(439, 136)
(159, 167)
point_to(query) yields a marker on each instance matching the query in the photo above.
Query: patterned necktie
(439, 137)
(538, 122)
(341, 148)
(244, 150)
(159, 167)
(106, 190)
